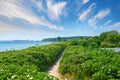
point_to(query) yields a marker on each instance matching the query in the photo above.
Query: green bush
(85, 64)
(27, 64)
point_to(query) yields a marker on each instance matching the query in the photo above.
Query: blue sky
(38, 19)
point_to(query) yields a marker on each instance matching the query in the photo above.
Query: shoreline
(10, 46)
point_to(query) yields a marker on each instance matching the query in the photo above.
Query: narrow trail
(54, 69)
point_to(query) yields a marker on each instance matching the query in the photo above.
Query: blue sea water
(17, 45)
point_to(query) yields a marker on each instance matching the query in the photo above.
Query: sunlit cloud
(117, 24)
(85, 1)
(80, 3)
(12, 10)
(55, 10)
(9, 27)
(111, 26)
(39, 4)
(85, 13)
(100, 15)
(107, 22)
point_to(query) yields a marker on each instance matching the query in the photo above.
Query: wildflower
(1, 70)
(13, 76)
(50, 77)
(109, 69)
(54, 79)
(45, 78)
(65, 78)
(8, 79)
(102, 67)
(31, 78)
(28, 75)
(27, 70)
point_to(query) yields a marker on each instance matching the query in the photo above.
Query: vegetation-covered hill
(65, 38)
(106, 39)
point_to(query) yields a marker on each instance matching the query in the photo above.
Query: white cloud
(85, 13)
(85, 1)
(55, 10)
(39, 4)
(107, 22)
(80, 3)
(8, 27)
(117, 24)
(11, 31)
(100, 15)
(12, 9)
(113, 26)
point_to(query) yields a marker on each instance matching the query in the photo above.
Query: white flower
(109, 69)
(45, 78)
(8, 79)
(50, 77)
(1, 69)
(31, 78)
(13, 76)
(28, 75)
(54, 79)
(102, 67)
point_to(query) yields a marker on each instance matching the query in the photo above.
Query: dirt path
(54, 69)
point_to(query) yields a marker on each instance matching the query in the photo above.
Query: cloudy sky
(38, 19)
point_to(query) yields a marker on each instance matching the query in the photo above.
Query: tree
(105, 34)
(59, 39)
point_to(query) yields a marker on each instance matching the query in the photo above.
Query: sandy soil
(54, 69)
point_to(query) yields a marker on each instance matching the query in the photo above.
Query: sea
(18, 45)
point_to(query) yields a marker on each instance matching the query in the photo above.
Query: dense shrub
(28, 63)
(26, 72)
(81, 63)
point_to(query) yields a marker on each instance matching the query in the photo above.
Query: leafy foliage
(106, 39)
(27, 64)
(65, 38)
(82, 63)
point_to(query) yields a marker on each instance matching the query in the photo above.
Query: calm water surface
(17, 45)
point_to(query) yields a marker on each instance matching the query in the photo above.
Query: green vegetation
(30, 63)
(82, 63)
(106, 39)
(65, 38)
(83, 60)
